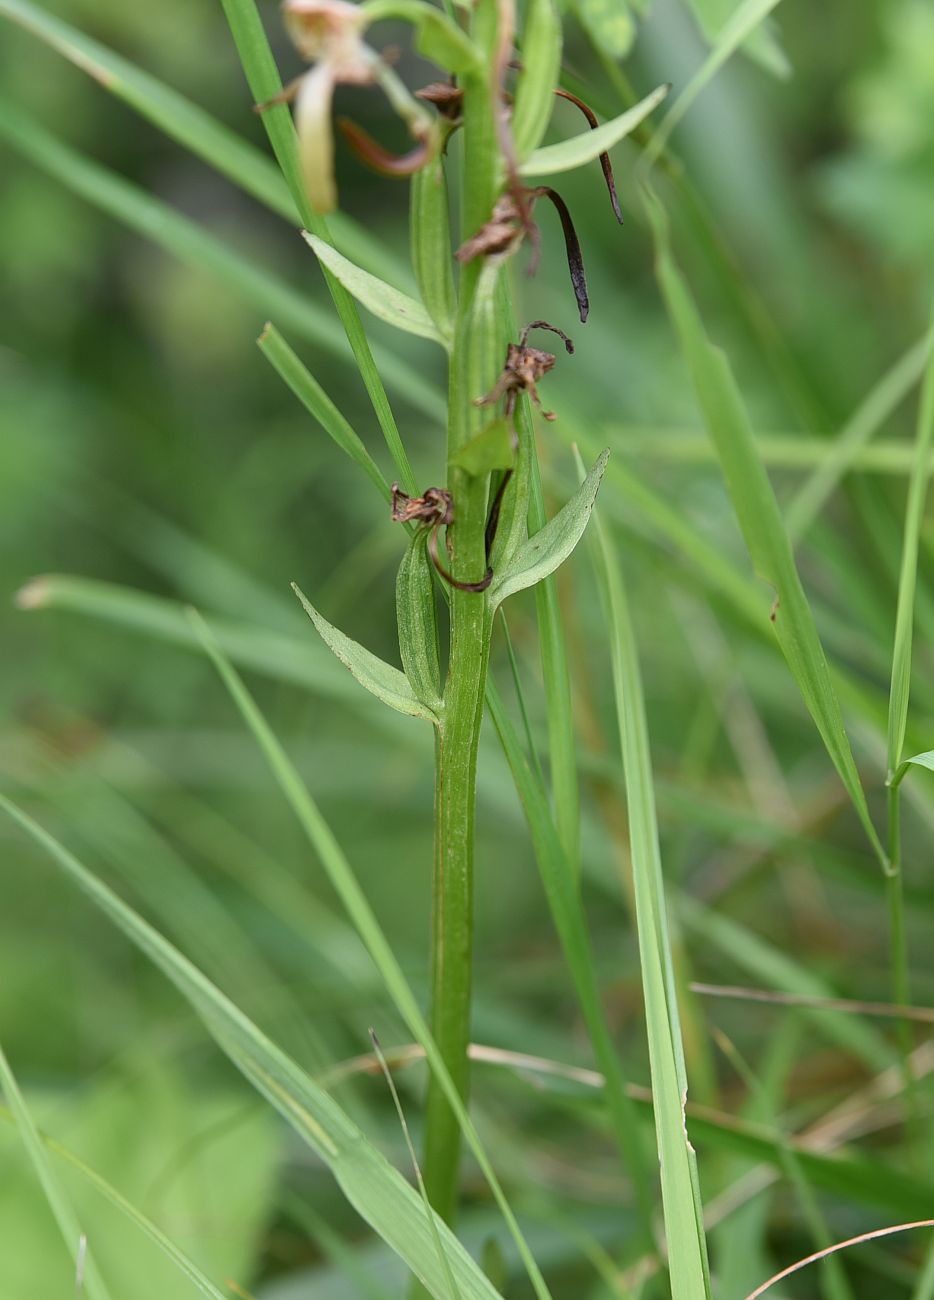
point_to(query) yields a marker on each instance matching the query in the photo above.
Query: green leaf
(265, 84)
(738, 29)
(315, 400)
(191, 243)
(540, 47)
(320, 837)
(490, 449)
(923, 760)
(904, 618)
(418, 627)
(379, 678)
(759, 518)
(430, 242)
(609, 23)
(541, 554)
(439, 39)
(389, 304)
(681, 1199)
(583, 148)
(378, 1192)
(87, 1275)
(762, 45)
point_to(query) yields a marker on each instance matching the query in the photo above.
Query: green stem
(475, 359)
(898, 947)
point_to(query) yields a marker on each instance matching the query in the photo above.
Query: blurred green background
(146, 442)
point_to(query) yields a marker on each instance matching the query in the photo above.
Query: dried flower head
(523, 369)
(435, 509)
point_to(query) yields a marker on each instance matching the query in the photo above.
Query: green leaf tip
(380, 298)
(541, 554)
(379, 678)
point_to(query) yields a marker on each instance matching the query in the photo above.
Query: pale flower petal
(315, 136)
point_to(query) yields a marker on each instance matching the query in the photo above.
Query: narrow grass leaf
(316, 401)
(743, 22)
(684, 1222)
(759, 518)
(583, 148)
(418, 625)
(191, 243)
(380, 298)
(88, 1276)
(322, 840)
(564, 902)
(904, 619)
(262, 75)
(849, 448)
(374, 674)
(286, 658)
(542, 553)
(377, 1191)
(430, 243)
(762, 45)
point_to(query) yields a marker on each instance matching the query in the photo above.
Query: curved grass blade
(743, 22)
(377, 1191)
(316, 401)
(87, 1275)
(322, 840)
(759, 518)
(265, 84)
(684, 1220)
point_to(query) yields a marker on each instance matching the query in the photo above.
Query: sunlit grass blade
(358, 908)
(87, 1275)
(265, 84)
(684, 1221)
(744, 20)
(759, 518)
(844, 451)
(377, 1191)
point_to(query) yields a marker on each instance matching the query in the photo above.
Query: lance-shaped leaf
(541, 69)
(583, 148)
(418, 629)
(541, 554)
(380, 679)
(380, 298)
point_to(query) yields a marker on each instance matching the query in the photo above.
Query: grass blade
(358, 908)
(316, 401)
(265, 84)
(759, 518)
(377, 1191)
(684, 1224)
(87, 1274)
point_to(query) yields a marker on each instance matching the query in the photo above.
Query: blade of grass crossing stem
(378, 1192)
(332, 858)
(87, 1274)
(191, 243)
(759, 517)
(265, 83)
(898, 712)
(684, 1223)
(569, 920)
